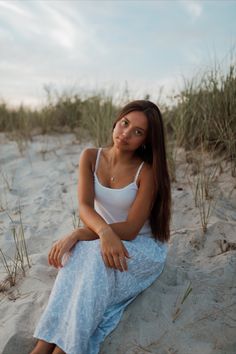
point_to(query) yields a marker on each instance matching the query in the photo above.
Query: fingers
(118, 263)
(105, 260)
(59, 249)
(55, 256)
(115, 261)
(108, 260)
(123, 263)
(126, 253)
(111, 261)
(50, 256)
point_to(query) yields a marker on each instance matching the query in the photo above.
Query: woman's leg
(58, 350)
(43, 347)
(80, 296)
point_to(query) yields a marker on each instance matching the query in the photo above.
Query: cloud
(82, 45)
(60, 29)
(14, 8)
(193, 8)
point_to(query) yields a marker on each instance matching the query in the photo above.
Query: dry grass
(206, 113)
(180, 301)
(202, 180)
(20, 261)
(202, 113)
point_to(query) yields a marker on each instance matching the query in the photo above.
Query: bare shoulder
(89, 153)
(88, 157)
(146, 175)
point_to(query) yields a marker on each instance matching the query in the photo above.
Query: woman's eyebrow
(134, 127)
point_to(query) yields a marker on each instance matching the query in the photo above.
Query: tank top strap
(138, 172)
(97, 159)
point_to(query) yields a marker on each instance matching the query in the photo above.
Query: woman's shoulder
(88, 157)
(146, 167)
(89, 152)
(146, 173)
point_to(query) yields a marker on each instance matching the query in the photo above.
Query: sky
(141, 47)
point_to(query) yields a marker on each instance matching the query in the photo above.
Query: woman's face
(130, 131)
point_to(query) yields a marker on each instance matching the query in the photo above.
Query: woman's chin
(120, 143)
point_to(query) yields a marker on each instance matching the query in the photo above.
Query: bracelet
(103, 230)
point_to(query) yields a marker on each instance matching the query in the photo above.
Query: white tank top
(113, 204)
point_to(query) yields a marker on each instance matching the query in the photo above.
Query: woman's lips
(122, 141)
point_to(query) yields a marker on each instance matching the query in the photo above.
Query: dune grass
(204, 186)
(20, 261)
(63, 114)
(204, 113)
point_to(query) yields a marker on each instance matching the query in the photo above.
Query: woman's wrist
(75, 235)
(83, 234)
(104, 230)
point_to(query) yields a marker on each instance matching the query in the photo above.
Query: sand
(41, 180)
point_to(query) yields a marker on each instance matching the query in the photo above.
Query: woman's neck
(117, 156)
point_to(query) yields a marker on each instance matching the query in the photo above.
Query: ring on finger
(122, 261)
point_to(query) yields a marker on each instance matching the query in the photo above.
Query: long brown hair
(154, 153)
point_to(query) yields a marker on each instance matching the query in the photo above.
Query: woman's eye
(138, 132)
(124, 122)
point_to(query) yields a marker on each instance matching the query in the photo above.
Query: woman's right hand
(60, 248)
(113, 251)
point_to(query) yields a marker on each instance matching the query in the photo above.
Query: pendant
(112, 178)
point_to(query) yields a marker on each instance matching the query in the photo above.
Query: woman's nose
(126, 133)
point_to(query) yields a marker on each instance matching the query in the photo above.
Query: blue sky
(84, 46)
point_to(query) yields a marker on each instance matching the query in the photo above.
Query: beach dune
(191, 308)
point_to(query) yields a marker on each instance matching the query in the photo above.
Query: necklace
(112, 178)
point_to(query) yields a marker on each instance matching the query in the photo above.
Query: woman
(124, 203)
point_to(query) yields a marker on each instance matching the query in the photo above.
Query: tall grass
(61, 114)
(206, 113)
(20, 261)
(204, 188)
(97, 117)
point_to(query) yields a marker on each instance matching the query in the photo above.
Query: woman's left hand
(60, 248)
(114, 252)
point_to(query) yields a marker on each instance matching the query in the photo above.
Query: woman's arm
(141, 208)
(86, 192)
(112, 248)
(65, 245)
(138, 213)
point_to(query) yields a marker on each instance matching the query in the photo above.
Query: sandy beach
(41, 181)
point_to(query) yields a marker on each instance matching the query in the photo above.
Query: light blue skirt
(88, 299)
